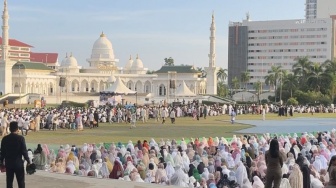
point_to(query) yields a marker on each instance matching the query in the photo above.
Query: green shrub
(292, 101)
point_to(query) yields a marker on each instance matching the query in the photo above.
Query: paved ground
(293, 125)
(43, 179)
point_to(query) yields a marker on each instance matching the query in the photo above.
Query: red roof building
(20, 51)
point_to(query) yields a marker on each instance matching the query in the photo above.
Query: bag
(94, 122)
(31, 169)
(2, 168)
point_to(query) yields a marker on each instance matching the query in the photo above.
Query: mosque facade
(51, 79)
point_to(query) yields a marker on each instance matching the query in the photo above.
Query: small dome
(129, 64)
(102, 48)
(63, 62)
(70, 62)
(111, 79)
(137, 65)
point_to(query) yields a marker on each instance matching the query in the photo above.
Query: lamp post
(20, 84)
(281, 88)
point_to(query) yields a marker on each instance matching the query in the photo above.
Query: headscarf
(241, 173)
(196, 175)
(71, 166)
(257, 183)
(117, 171)
(178, 178)
(169, 170)
(296, 178)
(104, 171)
(109, 164)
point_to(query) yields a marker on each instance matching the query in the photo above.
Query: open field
(184, 127)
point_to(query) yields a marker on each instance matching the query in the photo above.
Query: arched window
(162, 90)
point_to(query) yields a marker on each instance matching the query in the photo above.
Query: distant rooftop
(14, 42)
(31, 66)
(177, 69)
(43, 57)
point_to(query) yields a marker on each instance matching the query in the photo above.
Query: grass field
(184, 127)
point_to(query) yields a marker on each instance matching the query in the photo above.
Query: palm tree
(330, 67)
(277, 74)
(291, 82)
(257, 87)
(200, 69)
(302, 68)
(318, 78)
(222, 75)
(222, 89)
(245, 78)
(270, 80)
(235, 84)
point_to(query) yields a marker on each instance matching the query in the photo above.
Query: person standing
(4, 125)
(274, 162)
(91, 119)
(37, 122)
(172, 116)
(13, 147)
(233, 116)
(96, 118)
(164, 114)
(332, 172)
(263, 112)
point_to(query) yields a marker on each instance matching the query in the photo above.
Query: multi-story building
(320, 8)
(255, 46)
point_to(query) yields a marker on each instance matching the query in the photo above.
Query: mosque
(24, 74)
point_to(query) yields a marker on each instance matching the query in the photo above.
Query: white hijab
(241, 173)
(104, 171)
(169, 170)
(285, 183)
(179, 178)
(257, 183)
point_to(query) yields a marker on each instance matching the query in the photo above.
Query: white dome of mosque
(129, 64)
(102, 48)
(137, 65)
(70, 61)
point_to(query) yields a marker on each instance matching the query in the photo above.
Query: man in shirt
(13, 147)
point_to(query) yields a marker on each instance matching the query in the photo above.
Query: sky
(154, 29)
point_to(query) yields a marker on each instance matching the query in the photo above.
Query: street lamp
(20, 84)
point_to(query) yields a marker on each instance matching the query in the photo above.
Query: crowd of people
(249, 161)
(77, 118)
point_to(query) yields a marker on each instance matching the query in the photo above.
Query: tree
(277, 74)
(202, 71)
(150, 72)
(301, 69)
(169, 61)
(222, 89)
(330, 68)
(222, 75)
(245, 78)
(318, 78)
(257, 87)
(235, 84)
(270, 80)
(291, 82)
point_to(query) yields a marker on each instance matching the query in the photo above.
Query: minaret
(211, 70)
(5, 64)
(5, 29)
(212, 55)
